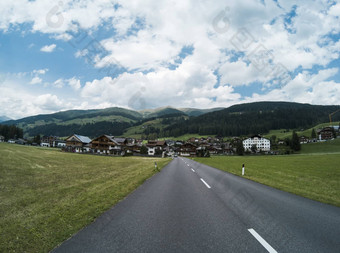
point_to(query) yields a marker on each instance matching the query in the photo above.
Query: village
(192, 147)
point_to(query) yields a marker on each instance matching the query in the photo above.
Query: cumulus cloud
(36, 80)
(48, 48)
(188, 85)
(73, 82)
(39, 71)
(21, 102)
(48, 102)
(149, 48)
(306, 88)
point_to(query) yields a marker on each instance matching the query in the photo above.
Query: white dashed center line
(262, 241)
(192, 170)
(205, 183)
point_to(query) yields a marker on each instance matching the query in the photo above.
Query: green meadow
(282, 133)
(326, 147)
(46, 195)
(315, 176)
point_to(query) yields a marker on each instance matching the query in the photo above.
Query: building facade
(107, 144)
(78, 144)
(262, 144)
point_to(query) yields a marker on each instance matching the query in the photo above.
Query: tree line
(89, 129)
(11, 132)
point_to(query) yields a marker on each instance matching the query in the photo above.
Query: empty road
(191, 207)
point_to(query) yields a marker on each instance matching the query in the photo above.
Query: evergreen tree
(334, 133)
(295, 143)
(239, 148)
(143, 150)
(273, 139)
(313, 134)
(37, 139)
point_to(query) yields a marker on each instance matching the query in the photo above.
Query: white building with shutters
(261, 143)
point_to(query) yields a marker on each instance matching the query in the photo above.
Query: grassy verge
(46, 195)
(314, 176)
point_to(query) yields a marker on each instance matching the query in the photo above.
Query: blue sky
(97, 54)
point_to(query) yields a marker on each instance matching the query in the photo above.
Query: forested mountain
(114, 121)
(254, 118)
(242, 119)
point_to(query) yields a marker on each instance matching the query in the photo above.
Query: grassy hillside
(137, 131)
(282, 133)
(46, 195)
(312, 176)
(159, 112)
(65, 123)
(197, 112)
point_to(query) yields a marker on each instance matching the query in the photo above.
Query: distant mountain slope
(254, 118)
(168, 110)
(4, 118)
(159, 112)
(242, 119)
(113, 121)
(197, 112)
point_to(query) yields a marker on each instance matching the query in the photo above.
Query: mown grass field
(332, 146)
(314, 176)
(46, 195)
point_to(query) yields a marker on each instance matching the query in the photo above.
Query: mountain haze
(4, 118)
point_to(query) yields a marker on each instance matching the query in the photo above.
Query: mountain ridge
(247, 118)
(4, 118)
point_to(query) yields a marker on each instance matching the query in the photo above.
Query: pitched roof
(83, 139)
(110, 137)
(119, 140)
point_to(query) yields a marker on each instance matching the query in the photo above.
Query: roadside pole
(242, 169)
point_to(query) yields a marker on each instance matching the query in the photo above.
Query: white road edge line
(192, 170)
(262, 241)
(205, 183)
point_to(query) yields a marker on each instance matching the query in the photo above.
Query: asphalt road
(190, 207)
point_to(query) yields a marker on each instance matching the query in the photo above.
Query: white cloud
(40, 71)
(48, 48)
(189, 85)
(74, 83)
(145, 51)
(59, 83)
(239, 73)
(147, 37)
(81, 53)
(48, 102)
(306, 88)
(36, 80)
(335, 10)
(20, 102)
